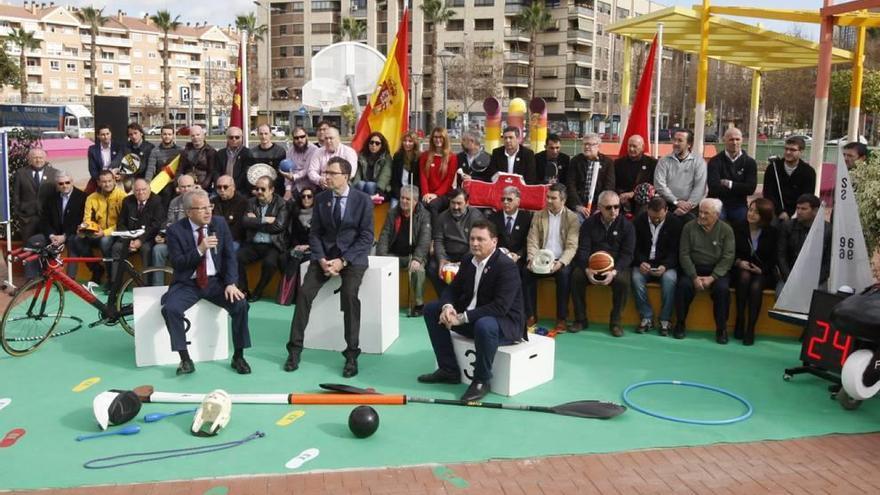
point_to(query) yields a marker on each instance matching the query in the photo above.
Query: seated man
(793, 234)
(141, 210)
(232, 206)
(613, 233)
(484, 303)
(706, 255)
(656, 258)
(176, 213)
(512, 224)
(99, 221)
(407, 235)
(200, 249)
(60, 218)
(555, 228)
(263, 225)
(451, 235)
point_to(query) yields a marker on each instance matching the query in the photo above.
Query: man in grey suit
(340, 240)
(31, 187)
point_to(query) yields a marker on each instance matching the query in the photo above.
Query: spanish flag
(388, 109)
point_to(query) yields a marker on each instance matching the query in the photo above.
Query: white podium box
(380, 311)
(516, 368)
(208, 334)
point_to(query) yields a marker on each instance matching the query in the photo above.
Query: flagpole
(245, 116)
(6, 217)
(659, 79)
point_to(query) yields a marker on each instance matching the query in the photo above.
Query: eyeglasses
(64, 183)
(300, 137)
(307, 196)
(377, 143)
(591, 145)
(202, 208)
(330, 172)
(261, 189)
(223, 186)
(611, 207)
(507, 200)
(233, 137)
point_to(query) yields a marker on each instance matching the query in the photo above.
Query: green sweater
(698, 247)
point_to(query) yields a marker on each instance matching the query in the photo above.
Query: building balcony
(581, 10)
(514, 9)
(578, 81)
(578, 106)
(183, 48)
(15, 50)
(516, 81)
(580, 58)
(124, 91)
(516, 57)
(34, 70)
(516, 34)
(579, 35)
(86, 39)
(35, 88)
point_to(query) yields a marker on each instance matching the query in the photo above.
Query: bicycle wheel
(125, 298)
(31, 316)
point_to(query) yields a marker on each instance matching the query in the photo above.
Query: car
(568, 135)
(710, 137)
(664, 135)
(276, 131)
(802, 136)
(183, 131)
(53, 135)
(843, 140)
(154, 130)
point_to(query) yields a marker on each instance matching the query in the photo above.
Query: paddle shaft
(300, 399)
(490, 405)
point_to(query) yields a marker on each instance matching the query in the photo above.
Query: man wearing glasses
(61, 216)
(613, 233)
(264, 224)
(300, 154)
(235, 158)
(200, 248)
(513, 225)
(788, 177)
(232, 206)
(340, 240)
(582, 193)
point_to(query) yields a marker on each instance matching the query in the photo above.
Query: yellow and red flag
(236, 115)
(388, 109)
(165, 175)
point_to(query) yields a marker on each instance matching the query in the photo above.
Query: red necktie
(202, 271)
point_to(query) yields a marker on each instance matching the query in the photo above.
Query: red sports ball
(448, 272)
(601, 262)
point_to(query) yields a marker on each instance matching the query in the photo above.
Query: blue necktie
(337, 210)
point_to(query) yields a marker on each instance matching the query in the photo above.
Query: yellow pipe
(753, 113)
(702, 80)
(625, 85)
(855, 96)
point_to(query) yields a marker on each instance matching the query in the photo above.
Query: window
(152, 38)
(138, 85)
(281, 73)
(107, 84)
(324, 6)
(72, 84)
(154, 86)
(484, 3)
(603, 7)
(299, 72)
(54, 65)
(322, 28)
(317, 48)
(55, 83)
(152, 55)
(71, 66)
(153, 71)
(298, 6)
(282, 29)
(551, 49)
(599, 29)
(455, 3)
(282, 51)
(298, 51)
(622, 13)
(137, 53)
(455, 25)
(296, 29)
(106, 68)
(138, 69)
(484, 24)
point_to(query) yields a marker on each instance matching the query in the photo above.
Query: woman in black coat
(755, 265)
(405, 166)
(298, 226)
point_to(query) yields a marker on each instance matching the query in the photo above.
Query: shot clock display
(824, 346)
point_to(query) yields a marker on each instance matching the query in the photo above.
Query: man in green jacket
(706, 254)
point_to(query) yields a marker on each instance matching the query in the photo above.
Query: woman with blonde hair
(437, 169)
(405, 166)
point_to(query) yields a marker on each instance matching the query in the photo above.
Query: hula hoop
(740, 399)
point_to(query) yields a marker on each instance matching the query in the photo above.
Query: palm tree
(352, 29)
(25, 41)
(256, 34)
(93, 19)
(162, 19)
(534, 19)
(436, 13)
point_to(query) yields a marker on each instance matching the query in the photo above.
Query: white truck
(76, 121)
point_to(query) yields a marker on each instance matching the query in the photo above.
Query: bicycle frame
(53, 271)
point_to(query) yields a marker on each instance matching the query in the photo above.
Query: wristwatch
(344, 263)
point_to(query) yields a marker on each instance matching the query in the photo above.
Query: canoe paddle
(128, 430)
(153, 417)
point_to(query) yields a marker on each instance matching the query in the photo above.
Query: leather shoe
(256, 296)
(532, 321)
(721, 337)
(476, 391)
(441, 376)
(416, 312)
(292, 363)
(678, 332)
(350, 369)
(186, 367)
(577, 326)
(241, 366)
(616, 331)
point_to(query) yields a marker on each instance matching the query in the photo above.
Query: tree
(534, 19)
(841, 83)
(352, 29)
(349, 117)
(474, 77)
(93, 19)
(436, 13)
(10, 75)
(256, 33)
(25, 41)
(162, 19)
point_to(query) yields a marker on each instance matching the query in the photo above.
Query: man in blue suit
(102, 155)
(484, 302)
(203, 259)
(340, 240)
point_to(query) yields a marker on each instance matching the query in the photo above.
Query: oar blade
(593, 409)
(347, 389)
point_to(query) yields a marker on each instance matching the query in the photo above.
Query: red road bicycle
(37, 308)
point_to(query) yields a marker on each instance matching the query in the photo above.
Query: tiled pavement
(835, 464)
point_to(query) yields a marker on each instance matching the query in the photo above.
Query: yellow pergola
(697, 31)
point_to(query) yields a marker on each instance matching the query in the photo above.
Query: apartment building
(203, 60)
(578, 66)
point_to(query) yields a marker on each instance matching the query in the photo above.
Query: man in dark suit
(62, 213)
(732, 177)
(512, 158)
(264, 224)
(580, 174)
(104, 154)
(200, 249)
(340, 240)
(485, 303)
(235, 159)
(512, 225)
(656, 258)
(140, 210)
(31, 187)
(551, 165)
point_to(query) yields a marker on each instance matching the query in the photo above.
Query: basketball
(286, 165)
(448, 272)
(601, 262)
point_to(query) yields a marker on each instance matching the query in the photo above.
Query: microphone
(210, 233)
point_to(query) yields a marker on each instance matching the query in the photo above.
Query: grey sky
(223, 12)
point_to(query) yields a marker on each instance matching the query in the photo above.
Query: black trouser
(749, 292)
(530, 291)
(352, 275)
(437, 206)
(84, 247)
(183, 295)
(685, 293)
(619, 294)
(119, 251)
(267, 254)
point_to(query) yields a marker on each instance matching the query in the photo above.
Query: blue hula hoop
(742, 400)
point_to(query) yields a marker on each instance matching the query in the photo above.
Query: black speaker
(112, 111)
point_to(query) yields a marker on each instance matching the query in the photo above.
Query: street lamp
(416, 79)
(191, 79)
(269, 11)
(445, 59)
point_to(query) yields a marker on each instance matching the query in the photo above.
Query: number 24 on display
(817, 342)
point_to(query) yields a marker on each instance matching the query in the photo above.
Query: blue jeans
(735, 214)
(367, 187)
(486, 334)
(667, 291)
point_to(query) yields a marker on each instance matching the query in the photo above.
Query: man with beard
(451, 235)
(264, 224)
(551, 165)
(473, 162)
(513, 158)
(300, 154)
(680, 177)
(232, 206)
(200, 160)
(138, 146)
(162, 154)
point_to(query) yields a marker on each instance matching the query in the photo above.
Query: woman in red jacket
(437, 168)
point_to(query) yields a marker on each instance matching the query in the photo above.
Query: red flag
(235, 117)
(388, 109)
(639, 115)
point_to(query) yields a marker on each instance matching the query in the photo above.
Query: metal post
(269, 63)
(210, 99)
(445, 89)
(417, 79)
(191, 99)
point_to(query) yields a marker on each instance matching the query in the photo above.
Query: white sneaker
(304, 457)
(91, 286)
(644, 325)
